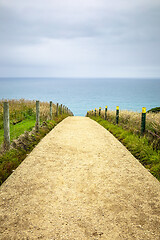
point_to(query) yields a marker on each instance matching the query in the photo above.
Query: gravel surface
(80, 183)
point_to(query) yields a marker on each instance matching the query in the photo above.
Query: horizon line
(86, 77)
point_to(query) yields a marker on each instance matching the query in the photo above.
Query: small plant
(155, 110)
(30, 112)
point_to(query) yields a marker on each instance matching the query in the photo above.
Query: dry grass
(132, 121)
(45, 110)
(23, 109)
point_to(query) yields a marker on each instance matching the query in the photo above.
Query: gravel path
(80, 183)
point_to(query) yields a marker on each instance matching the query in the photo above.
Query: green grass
(138, 146)
(155, 110)
(18, 129)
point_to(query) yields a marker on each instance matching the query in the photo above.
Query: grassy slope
(138, 146)
(18, 129)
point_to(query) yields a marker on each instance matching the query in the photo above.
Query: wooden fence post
(117, 114)
(50, 110)
(95, 112)
(143, 120)
(6, 125)
(57, 109)
(105, 113)
(37, 116)
(99, 111)
(61, 109)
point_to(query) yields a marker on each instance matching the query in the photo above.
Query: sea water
(83, 94)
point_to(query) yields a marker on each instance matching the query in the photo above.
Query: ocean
(83, 94)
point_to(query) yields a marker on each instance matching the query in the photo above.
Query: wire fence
(18, 116)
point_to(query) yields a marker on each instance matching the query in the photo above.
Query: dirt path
(80, 183)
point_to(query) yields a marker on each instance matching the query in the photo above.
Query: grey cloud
(15, 28)
(121, 33)
(142, 25)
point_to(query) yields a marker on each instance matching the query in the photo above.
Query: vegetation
(23, 135)
(23, 115)
(155, 110)
(25, 109)
(139, 146)
(18, 129)
(131, 121)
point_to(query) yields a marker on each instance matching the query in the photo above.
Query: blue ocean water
(83, 94)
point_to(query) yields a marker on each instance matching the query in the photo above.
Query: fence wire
(22, 114)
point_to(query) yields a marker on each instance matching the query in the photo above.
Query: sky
(80, 38)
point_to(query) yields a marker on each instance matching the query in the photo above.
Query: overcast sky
(80, 38)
